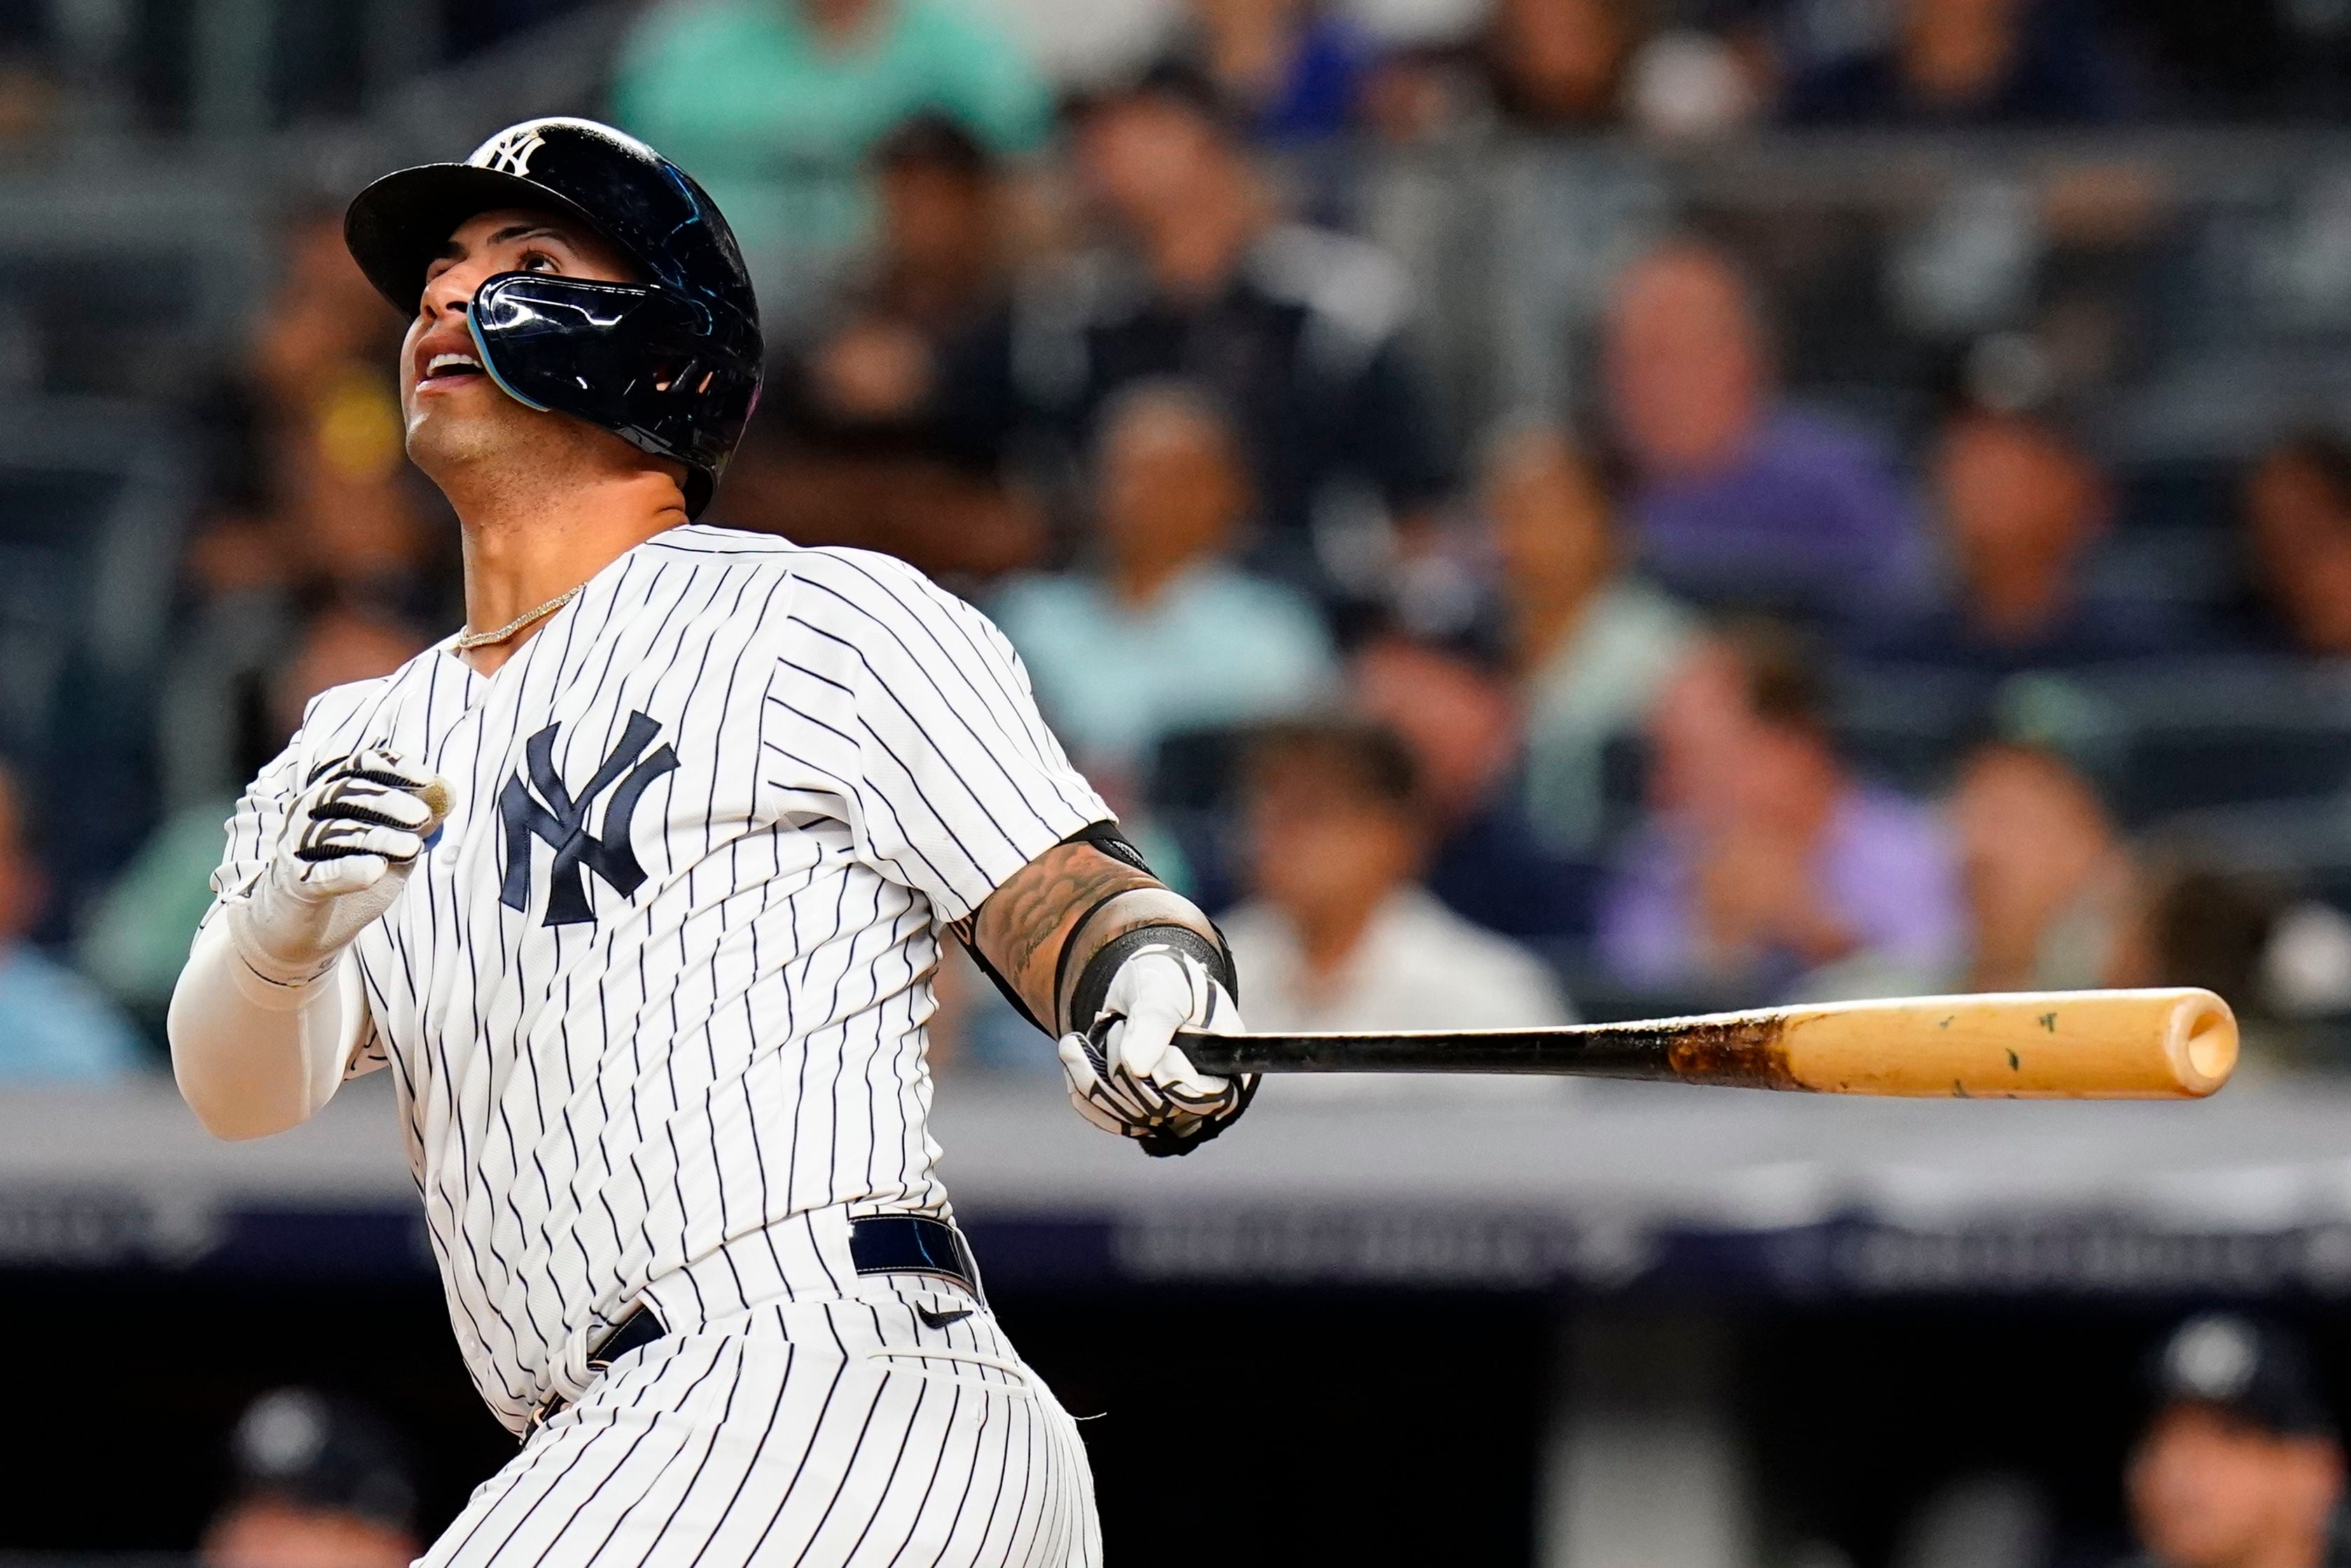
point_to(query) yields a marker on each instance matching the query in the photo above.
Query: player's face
(450, 407)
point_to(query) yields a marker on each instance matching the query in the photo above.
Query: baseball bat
(2032, 1045)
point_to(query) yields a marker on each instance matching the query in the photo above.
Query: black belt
(881, 1244)
(913, 1244)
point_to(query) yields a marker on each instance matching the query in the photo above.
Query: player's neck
(525, 546)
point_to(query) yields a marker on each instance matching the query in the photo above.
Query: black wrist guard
(1093, 980)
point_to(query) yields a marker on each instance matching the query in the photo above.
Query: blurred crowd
(1691, 688)
(1299, 70)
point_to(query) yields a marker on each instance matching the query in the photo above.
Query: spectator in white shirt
(1339, 934)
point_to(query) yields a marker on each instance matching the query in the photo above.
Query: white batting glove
(1127, 1076)
(349, 844)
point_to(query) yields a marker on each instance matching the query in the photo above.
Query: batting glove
(350, 842)
(1126, 1074)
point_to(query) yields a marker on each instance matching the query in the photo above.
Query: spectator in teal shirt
(55, 1027)
(1165, 635)
(774, 104)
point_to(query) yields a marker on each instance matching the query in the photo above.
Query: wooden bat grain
(2173, 1043)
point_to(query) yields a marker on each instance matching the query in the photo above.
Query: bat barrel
(2177, 1043)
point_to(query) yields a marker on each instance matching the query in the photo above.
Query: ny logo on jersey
(559, 820)
(512, 153)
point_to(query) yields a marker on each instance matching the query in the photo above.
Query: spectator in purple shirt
(1768, 869)
(1740, 499)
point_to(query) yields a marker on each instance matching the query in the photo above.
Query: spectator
(1460, 719)
(938, 268)
(137, 935)
(1559, 65)
(1298, 331)
(334, 486)
(2022, 506)
(311, 495)
(1739, 498)
(2239, 1462)
(54, 1028)
(775, 104)
(2047, 880)
(1162, 633)
(2195, 924)
(29, 98)
(317, 1484)
(1339, 933)
(1294, 70)
(846, 448)
(2298, 523)
(1969, 62)
(1592, 642)
(1770, 869)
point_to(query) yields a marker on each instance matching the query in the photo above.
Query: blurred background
(1530, 508)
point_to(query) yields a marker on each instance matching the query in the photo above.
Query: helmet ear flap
(674, 377)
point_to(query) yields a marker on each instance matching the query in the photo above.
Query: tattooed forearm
(1024, 928)
(1026, 917)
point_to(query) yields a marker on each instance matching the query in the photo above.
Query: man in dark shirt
(2240, 1465)
(2022, 506)
(2297, 530)
(1299, 330)
(1969, 62)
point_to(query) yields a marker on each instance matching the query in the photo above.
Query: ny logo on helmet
(559, 820)
(512, 153)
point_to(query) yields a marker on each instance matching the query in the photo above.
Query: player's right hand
(349, 841)
(1125, 1073)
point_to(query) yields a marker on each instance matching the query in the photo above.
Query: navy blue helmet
(670, 364)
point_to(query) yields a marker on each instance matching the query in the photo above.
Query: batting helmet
(670, 364)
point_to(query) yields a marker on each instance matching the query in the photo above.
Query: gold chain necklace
(469, 640)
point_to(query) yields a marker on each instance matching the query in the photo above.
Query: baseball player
(637, 885)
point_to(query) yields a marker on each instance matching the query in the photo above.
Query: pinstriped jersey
(656, 992)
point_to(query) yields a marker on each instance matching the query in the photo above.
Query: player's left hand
(1127, 1076)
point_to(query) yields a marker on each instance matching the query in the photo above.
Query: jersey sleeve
(911, 709)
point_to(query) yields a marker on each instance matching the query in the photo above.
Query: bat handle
(1215, 1054)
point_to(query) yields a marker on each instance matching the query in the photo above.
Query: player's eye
(538, 261)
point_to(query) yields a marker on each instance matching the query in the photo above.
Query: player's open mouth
(447, 369)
